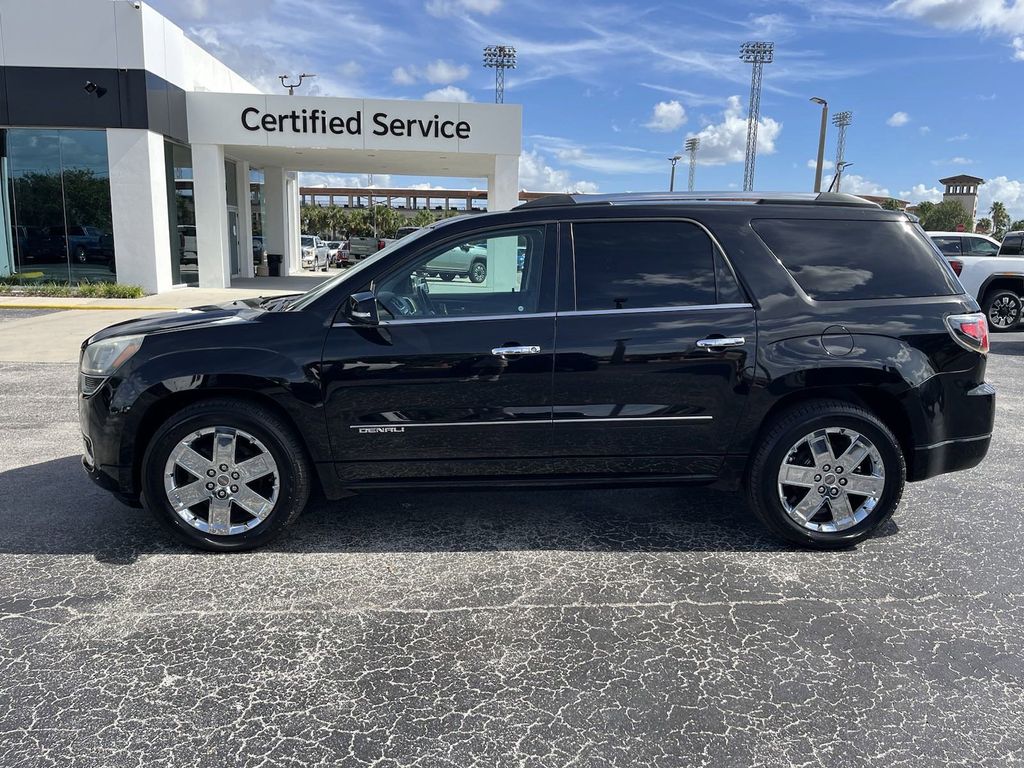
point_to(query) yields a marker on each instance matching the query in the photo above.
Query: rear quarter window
(838, 260)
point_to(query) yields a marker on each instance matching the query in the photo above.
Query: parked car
(258, 250)
(814, 351)
(361, 247)
(991, 272)
(333, 251)
(314, 253)
(464, 260)
(405, 231)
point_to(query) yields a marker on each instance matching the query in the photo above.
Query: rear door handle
(722, 343)
(523, 350)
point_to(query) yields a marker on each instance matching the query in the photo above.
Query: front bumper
(101, 442)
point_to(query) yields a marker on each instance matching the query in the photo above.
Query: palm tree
(1000, 219)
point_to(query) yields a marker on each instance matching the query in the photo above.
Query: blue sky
(610, 90)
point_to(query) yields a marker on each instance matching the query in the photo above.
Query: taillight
(958, 266)
(380, 244)
(969, 331)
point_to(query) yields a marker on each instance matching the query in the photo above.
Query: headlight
(102, 358)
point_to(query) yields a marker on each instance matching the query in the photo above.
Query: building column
(292, 251)
(247, 268)
(503, 183)
(209, 191)
(138, 207)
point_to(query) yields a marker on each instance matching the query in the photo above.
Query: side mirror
(362, 308)
(465, 247)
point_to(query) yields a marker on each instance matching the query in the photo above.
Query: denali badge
(379, 430)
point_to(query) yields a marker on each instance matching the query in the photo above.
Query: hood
(234, 312)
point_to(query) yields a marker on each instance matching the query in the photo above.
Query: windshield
(307, 241)
(328, 285)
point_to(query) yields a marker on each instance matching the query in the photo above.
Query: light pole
(757, 54)
(841, 120)
(292, 86)
(499, 58)
(672, 178)
(691, 146)
(821, 142)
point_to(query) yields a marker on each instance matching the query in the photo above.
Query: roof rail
(668, 198)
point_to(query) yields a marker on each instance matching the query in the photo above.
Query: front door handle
(523, 350)
(721, 343)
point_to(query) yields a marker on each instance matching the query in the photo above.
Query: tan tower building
(963, 189)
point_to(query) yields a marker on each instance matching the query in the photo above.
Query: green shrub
(24, 285)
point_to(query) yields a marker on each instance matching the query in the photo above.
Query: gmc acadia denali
(816, 351)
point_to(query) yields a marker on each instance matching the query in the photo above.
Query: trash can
(274, 264)
(261, 266)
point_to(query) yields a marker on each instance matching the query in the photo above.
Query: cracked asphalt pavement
(607, 628)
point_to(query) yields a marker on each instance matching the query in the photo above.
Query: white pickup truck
(992, 273)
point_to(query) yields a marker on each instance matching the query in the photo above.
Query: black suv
(815, 350)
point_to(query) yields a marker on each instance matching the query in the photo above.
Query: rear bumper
(948, 456)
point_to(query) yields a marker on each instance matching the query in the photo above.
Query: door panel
(637, 385)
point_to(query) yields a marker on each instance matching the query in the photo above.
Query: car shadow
(53, 508)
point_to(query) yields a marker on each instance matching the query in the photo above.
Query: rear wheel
(225, 475)
(478, 272)
(826, 475)
(1003, 309)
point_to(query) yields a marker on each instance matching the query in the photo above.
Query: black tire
(478, 271)
(1003, 309)
(448, 277)
(783, 433)
(294, 472)
(81, 255)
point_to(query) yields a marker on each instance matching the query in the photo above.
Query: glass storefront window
(59, 195)
(181, 214)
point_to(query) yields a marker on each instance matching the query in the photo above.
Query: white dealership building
(128, 150)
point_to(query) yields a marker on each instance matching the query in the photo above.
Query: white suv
(314, 253)
(993, 275)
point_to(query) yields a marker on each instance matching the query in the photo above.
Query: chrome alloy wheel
(221, 480)
(831, 479)
(1004, 312)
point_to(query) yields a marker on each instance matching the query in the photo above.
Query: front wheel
(826, 475)
(225, 475)
(1003, 310)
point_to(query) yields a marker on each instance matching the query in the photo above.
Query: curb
(85, 306)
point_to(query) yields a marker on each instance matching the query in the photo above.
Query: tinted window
(637, 264)
(497, 273)
(979, 246)
(835, 259)
(1011, 246)
(307, 241)
(949, 245)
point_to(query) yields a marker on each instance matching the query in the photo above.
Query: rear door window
(630, 265)
(948, 244)
(979, 246)
(836, 259)
(1011, 246)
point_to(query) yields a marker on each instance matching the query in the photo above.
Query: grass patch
(20, 286)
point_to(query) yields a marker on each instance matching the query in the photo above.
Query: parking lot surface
(606, 628)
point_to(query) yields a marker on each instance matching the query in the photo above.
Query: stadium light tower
(841, 120)
(499, 58)
(757, 54)
(691, 146)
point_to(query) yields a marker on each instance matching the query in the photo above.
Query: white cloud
(919, 193)
(462, 7)
(1018, 48)
(954, 161)
(315, 179)
(986, 15)
(726, 142)
(602, 158)
(959, 137)
(924, 130)
(826, 165)
(402, 76)
(448, 93)
(857, 185)
(442, 72)
(537, 176)
(1010, 192)
(898, 119)
(667, 116)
